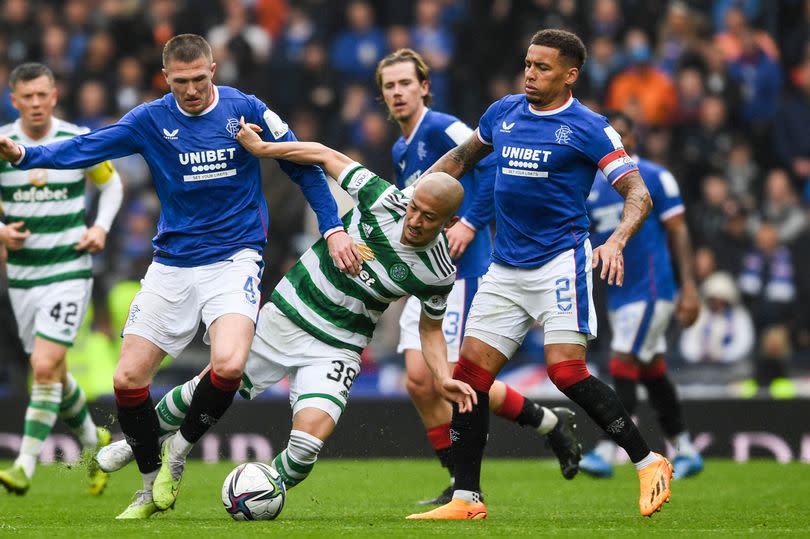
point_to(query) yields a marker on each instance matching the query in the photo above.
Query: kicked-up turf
(370, 498)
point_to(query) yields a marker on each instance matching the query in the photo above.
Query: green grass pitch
(370, 498)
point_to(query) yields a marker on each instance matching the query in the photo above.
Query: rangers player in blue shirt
(403, 80)
(207, 251)
(640, 311)
(548, 148)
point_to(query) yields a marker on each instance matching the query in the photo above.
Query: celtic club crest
(398, 272)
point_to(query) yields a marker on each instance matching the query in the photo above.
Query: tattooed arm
(461, 159)
(637, 205)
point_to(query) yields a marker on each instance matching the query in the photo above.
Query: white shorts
(458, 306)
(172, 300)
(52, 311)
(558, 295)
(320, 375)
(639, 328)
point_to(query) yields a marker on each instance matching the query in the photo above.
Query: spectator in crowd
(767, 281)
(357, 49)
(604, 62)
(708, 216)
(690, 95)
(791, 139)
(19, 31)
(241, 48)
(724, 331)
(732, 40)
(742, 172)
(606, 19)
(642, 86)
(703, 147)
(677, 37)
(129, 84)
(780, 207)
(734, 241)
(434, 42)
(272, 16)
(54, 50)
(92, 105)
(760, 78)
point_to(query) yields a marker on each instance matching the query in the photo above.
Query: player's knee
(45, 370)
(231, 369)
(567, 373)
(419, 386)
(128, 378)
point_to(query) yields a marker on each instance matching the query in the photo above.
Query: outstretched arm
(82, 151)
(461, 159)
(303, 153)
(434, 350)
(342, 249)
(637, 205)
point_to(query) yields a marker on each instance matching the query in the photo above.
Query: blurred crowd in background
(720, 91)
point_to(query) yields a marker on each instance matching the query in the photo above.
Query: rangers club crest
(563, 134)
(232, 127)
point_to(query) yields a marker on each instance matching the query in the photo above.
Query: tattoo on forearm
(637, 204)
(461, 159)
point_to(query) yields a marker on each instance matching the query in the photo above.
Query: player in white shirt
(50, 269)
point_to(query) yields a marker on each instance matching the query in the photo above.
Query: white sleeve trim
(332, 231)
(109, 202)
(478, 133)
(22, 155)
(458, 132)
(468, 224)
(353, 165)
(672, 212)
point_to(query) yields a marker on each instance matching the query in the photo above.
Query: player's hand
(610, 255)
(344, 252)
(9, 150)
(687, 307)
(13, 236)
(459, 237)
(92, 240)
(459, 392)
(248, 136)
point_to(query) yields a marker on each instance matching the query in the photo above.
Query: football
(253, 491)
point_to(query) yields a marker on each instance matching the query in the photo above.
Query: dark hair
(566, 42)
(617, 115)
(186, 48)
(406, 55)
(29, 71)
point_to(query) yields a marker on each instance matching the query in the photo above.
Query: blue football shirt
(546, 163)
(648, 273)
(435, 134)
(209, 186)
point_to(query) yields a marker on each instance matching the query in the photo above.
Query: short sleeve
(487, 121)
(435, 306)
(666, 195)
(274, 128)
(362, 185)
(603, 146)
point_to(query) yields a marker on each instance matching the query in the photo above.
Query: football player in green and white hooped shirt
(50, 269)
(319, 320)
